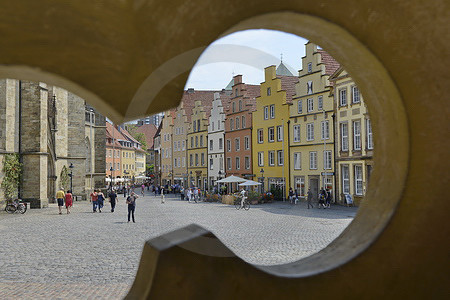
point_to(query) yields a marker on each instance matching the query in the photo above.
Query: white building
(216, 140)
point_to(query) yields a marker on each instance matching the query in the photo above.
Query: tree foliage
(12, 170)
(139, 136)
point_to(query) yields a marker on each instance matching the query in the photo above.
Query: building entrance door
(314, 186)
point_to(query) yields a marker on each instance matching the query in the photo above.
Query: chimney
(190, 90)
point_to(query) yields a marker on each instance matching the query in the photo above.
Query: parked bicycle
(241, 202)
(16, 206)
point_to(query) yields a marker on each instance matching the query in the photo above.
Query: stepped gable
(149, 131)
(206, 97)
(288, 85)
(331, 65)
(113, 133)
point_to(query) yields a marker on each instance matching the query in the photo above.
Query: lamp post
(262, 175)
(71, 177)
(111, 182)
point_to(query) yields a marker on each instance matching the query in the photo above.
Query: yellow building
(180, 129)
(311, 140)
(166, 148)
(128, 161)
(197, 140)
(139, 154)
(354, 139)
(270, 126)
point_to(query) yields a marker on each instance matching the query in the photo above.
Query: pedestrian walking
(142, 189)
(291, 195)
(112, 200)
(189, 195)
(182, 193)
(328, 199)
(131, 201)
(309, 198)
(68, 201)
(100, 200)
(94, 200)
(60, 199)
(322, 196)
(196, 190)
(162, 196)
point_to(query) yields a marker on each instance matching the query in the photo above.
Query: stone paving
(85, 255)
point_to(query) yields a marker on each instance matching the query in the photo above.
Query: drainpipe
(289, 151)
(334, 157)
(19, 190)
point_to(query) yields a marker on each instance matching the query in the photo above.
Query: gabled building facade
(166, 148)
(157, 151)
(270, 127)
(354, 138)
(216, 140)
(238, 129)
(180, 129)
(197, 138)
(311, 124)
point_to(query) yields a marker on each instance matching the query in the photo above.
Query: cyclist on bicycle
(243, 197)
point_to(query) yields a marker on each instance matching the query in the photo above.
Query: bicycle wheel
(237, 204)
(10, 208)
(246, 205)
(21, 208)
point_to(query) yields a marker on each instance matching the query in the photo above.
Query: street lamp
(71, 177)
(110, 183)
(262, 175)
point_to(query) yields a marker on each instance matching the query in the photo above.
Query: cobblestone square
(86, 255)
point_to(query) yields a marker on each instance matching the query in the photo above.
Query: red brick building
(238, 129)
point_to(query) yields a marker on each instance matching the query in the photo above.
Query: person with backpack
(131, 201)
(100, 200)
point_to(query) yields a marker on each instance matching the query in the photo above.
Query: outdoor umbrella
(231, 179)
(249, 183)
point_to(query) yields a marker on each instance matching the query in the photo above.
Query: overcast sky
(247, 53)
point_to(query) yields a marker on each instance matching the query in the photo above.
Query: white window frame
(272, 111)
(211, 145)
(280, 133)
(313, 160)
(269, 91)
(320, 103)
(297, 160)
(357, 135)
(309, 87)
(266, 113)
(260, 133)
(369, 134)
(271, 134)
(231, 124)
(229, 166)
(280, 157)
(358, 176)
(247, 162)
(345, 179)
(310, 104)
(325, 130)
(238, 163)
(247, 143)
(342, 96)
(310, 132)
(202, 158)
(237, 144)
(271, 158)
(243, 122)
(220, 144)
(211, 163)
(261, 159)
(299, 107)
(296, 132)
(228, 145)
(344, 136)
(309, 67)
(327, 159)
(237, 123)
(356, 95)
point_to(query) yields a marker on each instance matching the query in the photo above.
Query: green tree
(64, 178)
(139, 136)
(150, 169)
(12, 170)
